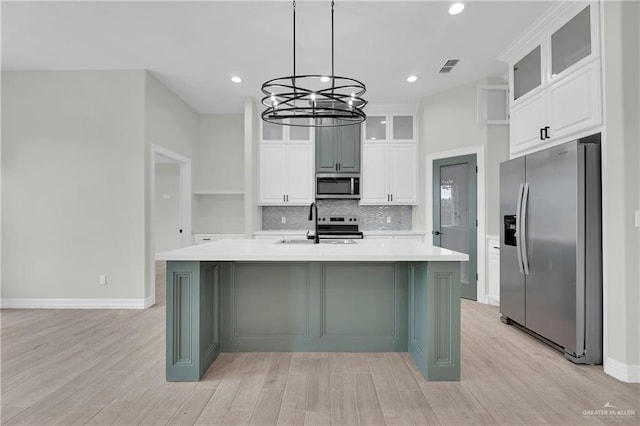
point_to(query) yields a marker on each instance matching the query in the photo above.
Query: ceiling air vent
(448, 66)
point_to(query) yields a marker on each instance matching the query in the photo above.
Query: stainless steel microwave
(338, 186)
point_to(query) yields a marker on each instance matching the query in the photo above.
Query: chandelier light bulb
(324, 79)
(456, 8)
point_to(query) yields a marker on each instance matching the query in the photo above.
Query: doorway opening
(455, 211)
(169, 209)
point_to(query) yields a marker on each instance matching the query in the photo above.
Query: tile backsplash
(371, 218)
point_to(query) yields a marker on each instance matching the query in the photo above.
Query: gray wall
(621, 178)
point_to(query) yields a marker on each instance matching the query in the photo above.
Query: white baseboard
(493, 300)
(627, 373)
(76, 303)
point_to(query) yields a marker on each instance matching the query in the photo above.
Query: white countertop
(386, 250)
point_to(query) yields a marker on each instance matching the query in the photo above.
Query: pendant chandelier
(313, 100)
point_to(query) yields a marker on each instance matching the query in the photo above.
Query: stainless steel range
(339, 227)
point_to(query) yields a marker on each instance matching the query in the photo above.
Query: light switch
(388, 219)
(637, 218)
(284, 219)
(103, 279)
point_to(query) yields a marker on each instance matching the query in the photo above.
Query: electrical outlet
(388, 219)
(284, 219)
(103, 279)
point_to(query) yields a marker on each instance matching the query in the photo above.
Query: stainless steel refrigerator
(551, 247)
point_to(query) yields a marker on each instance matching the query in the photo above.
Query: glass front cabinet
(555, 78)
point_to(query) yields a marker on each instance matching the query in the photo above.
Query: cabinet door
(376, 128)
(300, 176)
(527, 120)
(326, 155)
(272, 173)
(575, 103)
(402, 127)
(527, 73)
(348, 148)
(494, 272)
(402, 161)
(374, 184)
(572, 42)
(272, 132)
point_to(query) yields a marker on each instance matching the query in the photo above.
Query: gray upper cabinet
(338, 149)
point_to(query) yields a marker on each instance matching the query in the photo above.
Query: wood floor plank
(192, 408)
(343, 408)
(295, 393)
(278, 370)
(319, 388)
(367, 404)
(317, 418)
(268, 407)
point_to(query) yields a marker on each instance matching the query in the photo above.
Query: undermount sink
(299, 241)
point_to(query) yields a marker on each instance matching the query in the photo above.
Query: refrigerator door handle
(517, 235)
(523, 229)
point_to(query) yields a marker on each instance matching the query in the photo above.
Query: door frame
(185, 212)
(481, 237)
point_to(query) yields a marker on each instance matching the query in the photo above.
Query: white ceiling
(195, 47)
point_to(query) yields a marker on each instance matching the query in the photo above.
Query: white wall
(167, 206)
(169, 123)
(73, 185)
(253, 213)
(621, 180)
(448, 121)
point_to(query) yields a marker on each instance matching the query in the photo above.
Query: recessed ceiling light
(412, 78)
(324, 79)
(236, 79)
(383, 122)
(456, 8)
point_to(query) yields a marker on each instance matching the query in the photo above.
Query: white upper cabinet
(555, 78)
(389, 159)
(286, 165)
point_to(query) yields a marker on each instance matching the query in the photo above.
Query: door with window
(455, 214)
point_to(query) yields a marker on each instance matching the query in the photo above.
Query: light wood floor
(107, 367)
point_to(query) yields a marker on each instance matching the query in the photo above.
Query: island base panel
(215, 307)
(434, 319)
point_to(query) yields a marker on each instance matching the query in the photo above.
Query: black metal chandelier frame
(290, 102)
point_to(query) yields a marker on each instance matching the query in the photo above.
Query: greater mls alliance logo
(608, 409)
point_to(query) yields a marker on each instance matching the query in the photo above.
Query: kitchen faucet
(316, 237)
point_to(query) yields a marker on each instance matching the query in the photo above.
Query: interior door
(455, 214)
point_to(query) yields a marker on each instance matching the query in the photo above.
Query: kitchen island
(265, 295)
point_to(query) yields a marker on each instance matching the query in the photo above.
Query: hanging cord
(332, 72)
(294, 37)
